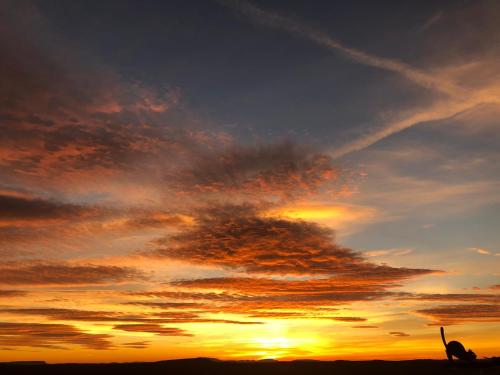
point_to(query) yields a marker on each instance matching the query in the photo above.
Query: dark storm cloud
(152, 328)
(461, 314)
(57, 273)
(53, 336)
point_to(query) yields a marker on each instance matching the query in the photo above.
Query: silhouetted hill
(208, 366)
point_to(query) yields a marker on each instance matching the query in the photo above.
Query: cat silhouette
(456, 349)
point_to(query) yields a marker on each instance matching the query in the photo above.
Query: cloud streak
(51, 336)
(152, 328)
(459, 100)
(461, 314)
(293, 27)
(437, 112)
(12, 293)
(61, 314)
(57, 273)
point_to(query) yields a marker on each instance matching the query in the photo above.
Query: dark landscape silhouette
(208, 366)
(467, 364)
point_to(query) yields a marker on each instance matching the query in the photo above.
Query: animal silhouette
(456, 349)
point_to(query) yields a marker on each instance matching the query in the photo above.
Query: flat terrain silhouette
(203, 366)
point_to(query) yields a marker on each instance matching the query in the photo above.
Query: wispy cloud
(292, 26)
(12, 293)
(52, 336)
(152, 328)
(136, 344)
(386, 252)
(433, 19)
(60, 273)
(453, 297)
(177, 317)
(399, 334)
(437, 112)
(483, 251)
(459, 99)
(460, 314)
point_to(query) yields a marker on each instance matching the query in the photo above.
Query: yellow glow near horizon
(309, 212)
(341, 216)
(315, 212)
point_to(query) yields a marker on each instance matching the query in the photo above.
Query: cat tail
(442, 336)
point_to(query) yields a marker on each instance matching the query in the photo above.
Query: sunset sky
(248, 180)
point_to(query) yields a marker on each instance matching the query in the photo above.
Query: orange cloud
(152, 328)
(399, 334)
(53, 336)
(113, 316)
(345, 218)
(58, 273)
(349, 319)
(460, 314)
(281, 170)
(237, 237)
(68, 123)
(454, 297)
(136, 344)
(11, 293)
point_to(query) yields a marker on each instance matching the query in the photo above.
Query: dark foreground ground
(203, 366)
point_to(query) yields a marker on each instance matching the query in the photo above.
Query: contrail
(287, 24)
(439, 111)
(459, 100)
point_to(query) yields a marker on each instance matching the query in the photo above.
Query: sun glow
(310, 212)
(341, 216)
